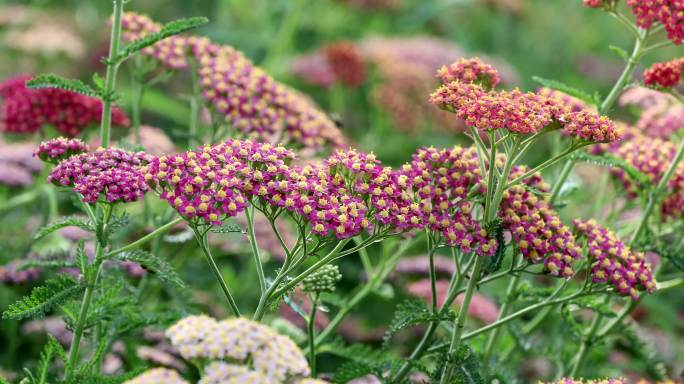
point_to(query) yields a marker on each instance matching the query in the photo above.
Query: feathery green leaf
(170, 29)
(42, 299)
(572, 91)
(63, 223)
(154, 264)
(50, 80)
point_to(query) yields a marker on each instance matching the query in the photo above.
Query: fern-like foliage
(464, 364)
(411, 313)
(607, 160)
(353, 370)
(50, 80)
(594, 99)
(173, 28)
(154, 264)
(63, 223)
(43, 299)
(87, 378)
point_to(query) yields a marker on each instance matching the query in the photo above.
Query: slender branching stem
(249, 213)
(201, 238)
(110, 76)
(147, 238)
(311, 333)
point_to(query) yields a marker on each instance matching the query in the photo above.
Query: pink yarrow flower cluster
(111, 174)
(536, 228)
(471, 71)
(442, 180)
(614, 262)
(516, 111)
(212, 183)
(25, 110)
(56, 150)
(239, 92)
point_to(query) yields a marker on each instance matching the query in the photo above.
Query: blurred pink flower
(481, 307)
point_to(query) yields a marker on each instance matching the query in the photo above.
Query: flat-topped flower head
(614, 262)
(470, 71)
(239, 92)
(670, 13)
(24, 110)
(56, 150)
(589, 126)
(536, 228)
(563, 100)
(214, 182)
(667, 74)
(247, 345)
(111, 174)
(442, 180)
(158, 376)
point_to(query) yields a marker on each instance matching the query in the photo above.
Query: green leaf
(51, 350)
(607, 160)
(596, 304)
(464, 365)
(50, 80)
(411, 313)
(42, 299)
(350, 371)
(620, 52)
(560, 86)
(66, 222)
(170, 29)
(101, 379)
(154, 264)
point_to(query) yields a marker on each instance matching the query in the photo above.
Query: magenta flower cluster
(239, 92)
(110, 174)
(614, 262)
(25, 110)
(471, 71)
(56, 150)
(516, 111)
(214, 182)
(670, 13)
(536, 228)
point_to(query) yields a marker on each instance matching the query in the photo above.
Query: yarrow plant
(482, 218)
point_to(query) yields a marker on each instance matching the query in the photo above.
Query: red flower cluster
(667, 74)
(346, 63)
(26, 110)
(670, 13)
(56, 150)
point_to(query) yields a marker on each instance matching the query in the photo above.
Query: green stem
(656, 194)
(249, 213)
(433, 275)
(110, 76)
(202, 240)
(195, 102)
(462, 313)
(503, 311)
(311, 333)
(367, 288)
(587, 340)
(150, 236)
(608, 102)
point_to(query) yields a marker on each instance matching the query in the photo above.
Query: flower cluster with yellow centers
(253, 350)
(614, 262)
